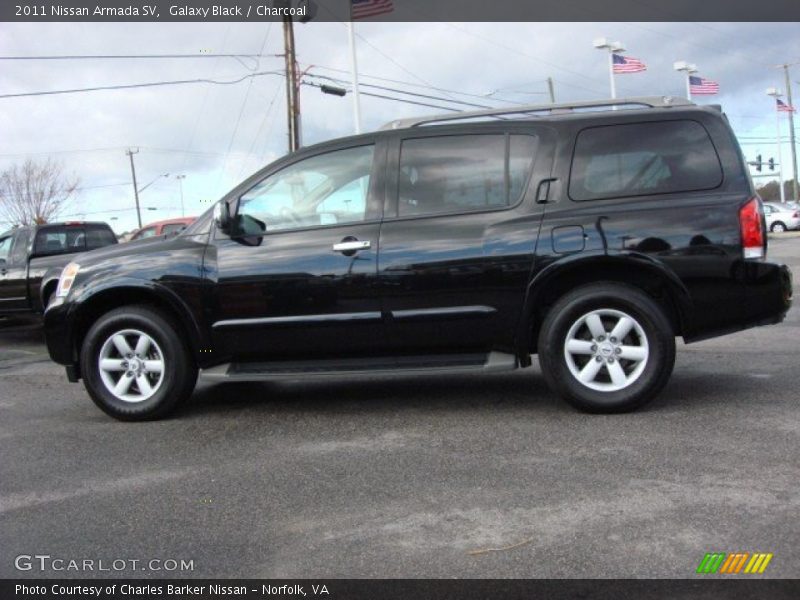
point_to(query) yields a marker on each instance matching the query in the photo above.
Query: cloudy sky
(216, 135)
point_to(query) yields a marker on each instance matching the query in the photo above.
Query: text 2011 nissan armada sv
(590, 234)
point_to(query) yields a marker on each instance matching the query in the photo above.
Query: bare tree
(34, 192)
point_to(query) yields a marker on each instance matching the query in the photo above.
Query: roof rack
(646, 101)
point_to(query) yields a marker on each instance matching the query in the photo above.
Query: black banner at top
(399, 10)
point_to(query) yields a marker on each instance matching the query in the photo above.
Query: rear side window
(173, 227)
(144, 233)
(98, 237)
(60, 240)
(641, 159)
(462, 173)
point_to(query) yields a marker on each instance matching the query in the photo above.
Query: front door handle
(351, 246)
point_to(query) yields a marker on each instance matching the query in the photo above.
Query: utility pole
(130, 154)
(791, 132)
(550, 90)
(292, 104)
(180, 179)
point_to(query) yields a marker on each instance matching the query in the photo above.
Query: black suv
(590, 234)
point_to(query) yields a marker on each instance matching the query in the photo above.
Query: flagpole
(611, 74)
(688, 86)
(780, 161)
(354, 69)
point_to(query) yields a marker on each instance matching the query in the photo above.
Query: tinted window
(98, 237)
(463, 173)
(643, 158)
(326, 189)
(60, 240)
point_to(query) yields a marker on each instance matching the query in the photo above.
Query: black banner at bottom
(389, 589)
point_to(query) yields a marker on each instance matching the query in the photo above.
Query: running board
(400, 365)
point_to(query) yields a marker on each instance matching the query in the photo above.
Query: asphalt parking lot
(410, 477)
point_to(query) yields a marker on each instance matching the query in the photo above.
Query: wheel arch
(131, 292)
(638, 270)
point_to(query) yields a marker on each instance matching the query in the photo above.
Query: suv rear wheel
(134, 364)
(606, 348)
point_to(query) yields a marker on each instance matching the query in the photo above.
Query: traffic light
(771, 164)
(758, 163)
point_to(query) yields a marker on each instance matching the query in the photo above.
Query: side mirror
(222, 216)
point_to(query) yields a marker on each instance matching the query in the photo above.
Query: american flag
(699, 86)
(626, 64)
(363, 9)
(783, 107)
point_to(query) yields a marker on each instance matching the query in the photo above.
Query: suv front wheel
(135, 365)
(606, 348)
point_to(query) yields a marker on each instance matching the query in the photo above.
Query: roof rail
(646, 101)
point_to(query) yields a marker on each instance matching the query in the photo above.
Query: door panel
(454, 283)
(295, 297)
(13, 275)
(306, 288)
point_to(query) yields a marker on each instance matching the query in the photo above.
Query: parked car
(780, 217)
(32, 258)
(589, 237)
(164, 227)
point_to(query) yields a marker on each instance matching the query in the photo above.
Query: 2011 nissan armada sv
(591, 234)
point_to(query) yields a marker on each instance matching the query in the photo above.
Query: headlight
(66, 280)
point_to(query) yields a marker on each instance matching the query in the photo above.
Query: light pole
(180, 179)
(141, 189)
(612, 47)
(776, 93)
(689, 69)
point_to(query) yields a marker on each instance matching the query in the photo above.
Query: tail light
(752, 225)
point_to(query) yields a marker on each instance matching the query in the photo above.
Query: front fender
(94, 294)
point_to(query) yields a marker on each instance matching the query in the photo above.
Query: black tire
(778, 227)
(611, 297)
(179, 371)
(48, 298)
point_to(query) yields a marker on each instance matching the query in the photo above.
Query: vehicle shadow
(376, 395)
(433, 393)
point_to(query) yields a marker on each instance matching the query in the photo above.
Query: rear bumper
(767, 297)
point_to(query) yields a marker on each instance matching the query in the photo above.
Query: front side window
(5, 247)
(327, 189)
(640, 159)
(463, 173)
(19, 251)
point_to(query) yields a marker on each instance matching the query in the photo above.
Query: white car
(780, 217)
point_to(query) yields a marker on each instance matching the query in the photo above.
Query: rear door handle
(352, 246)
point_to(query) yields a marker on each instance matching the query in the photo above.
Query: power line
(399, 91)
(142, 85)
(412, 84)
(134, 56)
(404, 100)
